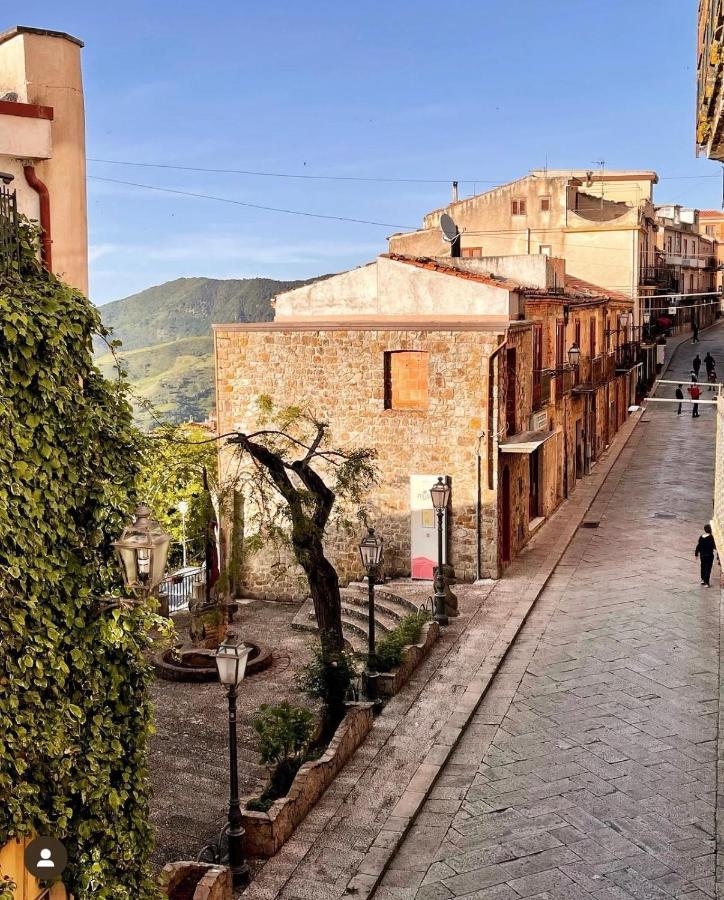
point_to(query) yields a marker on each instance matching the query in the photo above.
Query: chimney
(454, 192)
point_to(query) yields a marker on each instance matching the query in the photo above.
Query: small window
(710, 230)
(518, 207)
(545, 204)
(471, 251)
(545, 250)
(406, 379)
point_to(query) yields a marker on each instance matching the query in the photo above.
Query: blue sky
(477, 90)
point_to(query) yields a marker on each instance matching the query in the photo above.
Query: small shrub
(327, 678)
(285, 733)
(390, 647)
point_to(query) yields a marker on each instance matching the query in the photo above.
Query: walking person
(695, 332)
(679, 397)
(712, 379)
(709, 363)
(694, 393)
(696, 365)
(705, 549)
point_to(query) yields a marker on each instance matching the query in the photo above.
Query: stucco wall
(389, 287)
(339, 373)
(45, 70)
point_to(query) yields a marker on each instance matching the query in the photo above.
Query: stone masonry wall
(339, 373)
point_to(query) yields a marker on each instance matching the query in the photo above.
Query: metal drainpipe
(44, 196)
(492, 431)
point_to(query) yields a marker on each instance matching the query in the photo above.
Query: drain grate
(660, 515)
(590, 524)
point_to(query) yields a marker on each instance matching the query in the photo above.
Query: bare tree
(291, 460)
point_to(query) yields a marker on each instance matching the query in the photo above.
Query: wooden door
(534, 482)
(510, 392)
(505, 516)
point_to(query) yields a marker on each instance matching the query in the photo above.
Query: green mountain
(167, 344)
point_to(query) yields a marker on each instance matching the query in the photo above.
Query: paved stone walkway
(589, 768)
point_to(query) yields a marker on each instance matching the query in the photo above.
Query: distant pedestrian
(694, 393)
(695, 333)
(705, 550)
(693, 375)
(696, 365)
(709, 362)
(679, 397)
(712, 379)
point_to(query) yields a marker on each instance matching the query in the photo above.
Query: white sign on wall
(423, 527)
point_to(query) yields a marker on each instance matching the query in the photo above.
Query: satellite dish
(449, 229)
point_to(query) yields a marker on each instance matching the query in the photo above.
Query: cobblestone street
(589, 769)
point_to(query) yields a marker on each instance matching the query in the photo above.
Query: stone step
(384, 622)
(382, 607)
(384, 595)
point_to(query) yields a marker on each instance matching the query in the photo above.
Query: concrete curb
(388, 841)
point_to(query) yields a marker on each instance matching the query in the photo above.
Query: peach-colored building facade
(42, 142)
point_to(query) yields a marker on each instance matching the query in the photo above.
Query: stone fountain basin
(197, 664)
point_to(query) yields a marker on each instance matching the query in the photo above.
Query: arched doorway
(505, 516)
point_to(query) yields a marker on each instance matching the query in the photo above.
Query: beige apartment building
(602, 224)
(42, 143)
(461, 367)
(686, 266)
(711, 223)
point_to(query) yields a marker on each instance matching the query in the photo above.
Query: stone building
(42, 143)
(506, 375)
(711, 223)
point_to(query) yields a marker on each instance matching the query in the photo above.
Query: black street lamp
(370, 550)
(440, 493)
(231, 665)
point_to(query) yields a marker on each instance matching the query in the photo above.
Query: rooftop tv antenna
(450, 234)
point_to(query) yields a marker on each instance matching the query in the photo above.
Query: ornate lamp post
(231, 665)
(574, 354)
(370, 550)
(142, 550)
(440, 493)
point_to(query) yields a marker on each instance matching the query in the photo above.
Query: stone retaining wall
(214, 884)
(267, 832)
(389, 683)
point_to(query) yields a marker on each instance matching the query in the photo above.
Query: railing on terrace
(658, 276)
(177, 590)
(542, 387)
(627, 355)
(9, 230)
(565, 379)
(597, 370)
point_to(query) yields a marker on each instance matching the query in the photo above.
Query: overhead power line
(309, 177)
(291, 212)
(119, 162)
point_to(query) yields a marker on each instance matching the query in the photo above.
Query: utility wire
(291, 212)
(148, 165)
(119, 162)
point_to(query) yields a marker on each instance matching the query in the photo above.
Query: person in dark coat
(709, 363)
(695, 333)
(679, 397)
(705, 550)
(696, 365)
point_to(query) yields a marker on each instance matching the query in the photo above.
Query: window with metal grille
(406, 379)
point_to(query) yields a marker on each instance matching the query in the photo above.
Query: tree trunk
(324, 588)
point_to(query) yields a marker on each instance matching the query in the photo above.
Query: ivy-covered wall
(73, 703)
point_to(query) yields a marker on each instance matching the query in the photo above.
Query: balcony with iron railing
(593, 372)
(565, 377)
(627, 355)
(9, 230)
(542, 379)
(658, 276)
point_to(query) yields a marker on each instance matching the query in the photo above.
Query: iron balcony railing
(176, 591)
(9, 230)
(565, 376)
(591, 372)
(627, 355)
(542, 379)
(658, 276)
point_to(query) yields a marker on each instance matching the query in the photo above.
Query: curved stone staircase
(390, 609)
